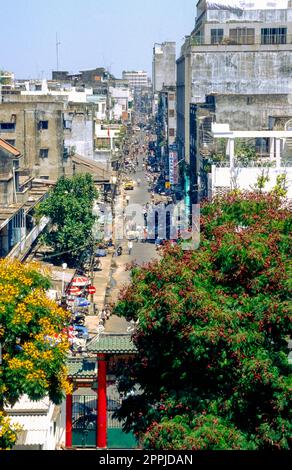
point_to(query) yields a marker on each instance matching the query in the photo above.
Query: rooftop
(82, 369)
(112, 344)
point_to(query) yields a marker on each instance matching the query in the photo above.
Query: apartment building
(136, 79)
(163, 65)
(35, 126)
(236, 48)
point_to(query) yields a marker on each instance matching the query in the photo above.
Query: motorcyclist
(119, 251)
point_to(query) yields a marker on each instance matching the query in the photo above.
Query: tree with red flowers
(212, 337)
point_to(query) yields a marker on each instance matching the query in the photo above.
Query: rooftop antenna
(57, 50)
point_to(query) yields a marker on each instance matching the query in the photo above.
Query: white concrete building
(42, 422)
(105, 137)
(136, 79)
(72, 94)
(122, 100)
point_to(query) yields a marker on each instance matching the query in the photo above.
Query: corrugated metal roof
(112, 344)
(97, 169)
(31, 422)
(9, 148)
(25, 404)
(31, 438)
(34, 429)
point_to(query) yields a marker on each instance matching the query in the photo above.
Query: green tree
(33, 338)
(8, 432)
(244, 152)
(212, 362)
(69, 206)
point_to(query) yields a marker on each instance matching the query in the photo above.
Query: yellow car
(129, 185)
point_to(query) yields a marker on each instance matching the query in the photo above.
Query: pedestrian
(128, 199)
(102, 317)
(130, 246)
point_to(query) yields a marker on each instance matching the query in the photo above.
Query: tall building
(136, 79)
(163, 66)
(240, 51)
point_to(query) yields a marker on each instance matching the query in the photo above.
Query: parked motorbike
(79, 320)
(119, 251)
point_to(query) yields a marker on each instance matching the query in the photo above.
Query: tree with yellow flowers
(33, 339)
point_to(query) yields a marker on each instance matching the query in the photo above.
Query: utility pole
(57, 50)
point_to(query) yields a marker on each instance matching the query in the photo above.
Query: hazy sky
(111, 33)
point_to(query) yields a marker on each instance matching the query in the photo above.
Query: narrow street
(114, 274)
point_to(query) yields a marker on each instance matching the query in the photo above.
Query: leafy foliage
(33, 336)
(212, 362)
(8, 432)
(69, 207)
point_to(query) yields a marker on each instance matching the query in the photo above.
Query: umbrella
(82, 302)
(80, 281)
(74, 290)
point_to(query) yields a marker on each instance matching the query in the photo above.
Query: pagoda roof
(112, 344)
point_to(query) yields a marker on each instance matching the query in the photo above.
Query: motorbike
(119, 251)
(79, 320)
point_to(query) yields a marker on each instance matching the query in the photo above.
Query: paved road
(141, 253)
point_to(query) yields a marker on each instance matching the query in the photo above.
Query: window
(274, 36)
(44, 177)
(7, 126)
(10, 141)
(216, 36)
(44, 153)
(242, 35)
(171, 132)
(171, 97)
(67, 124)
(171, 113)
(249, 100)
(44, 125)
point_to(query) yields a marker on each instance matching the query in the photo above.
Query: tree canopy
(69, 206)
(212, 363)
(33, 338)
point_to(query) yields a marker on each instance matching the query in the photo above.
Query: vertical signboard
(173, 164)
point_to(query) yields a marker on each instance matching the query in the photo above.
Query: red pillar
(69, 402)
(101, 403)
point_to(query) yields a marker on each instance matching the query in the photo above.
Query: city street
(141, 253)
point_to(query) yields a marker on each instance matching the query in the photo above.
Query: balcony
(249, 40)
(21, 249)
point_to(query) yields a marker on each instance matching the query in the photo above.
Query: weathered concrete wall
(81, 135)
(246, 72)
(271, 15)
(29, 138)
(6, 180)
(164, 67)
(183, 106)
(180, 106)
(251, 113)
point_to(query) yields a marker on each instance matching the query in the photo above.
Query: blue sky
(112, 33)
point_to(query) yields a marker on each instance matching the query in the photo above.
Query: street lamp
(64, 266)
